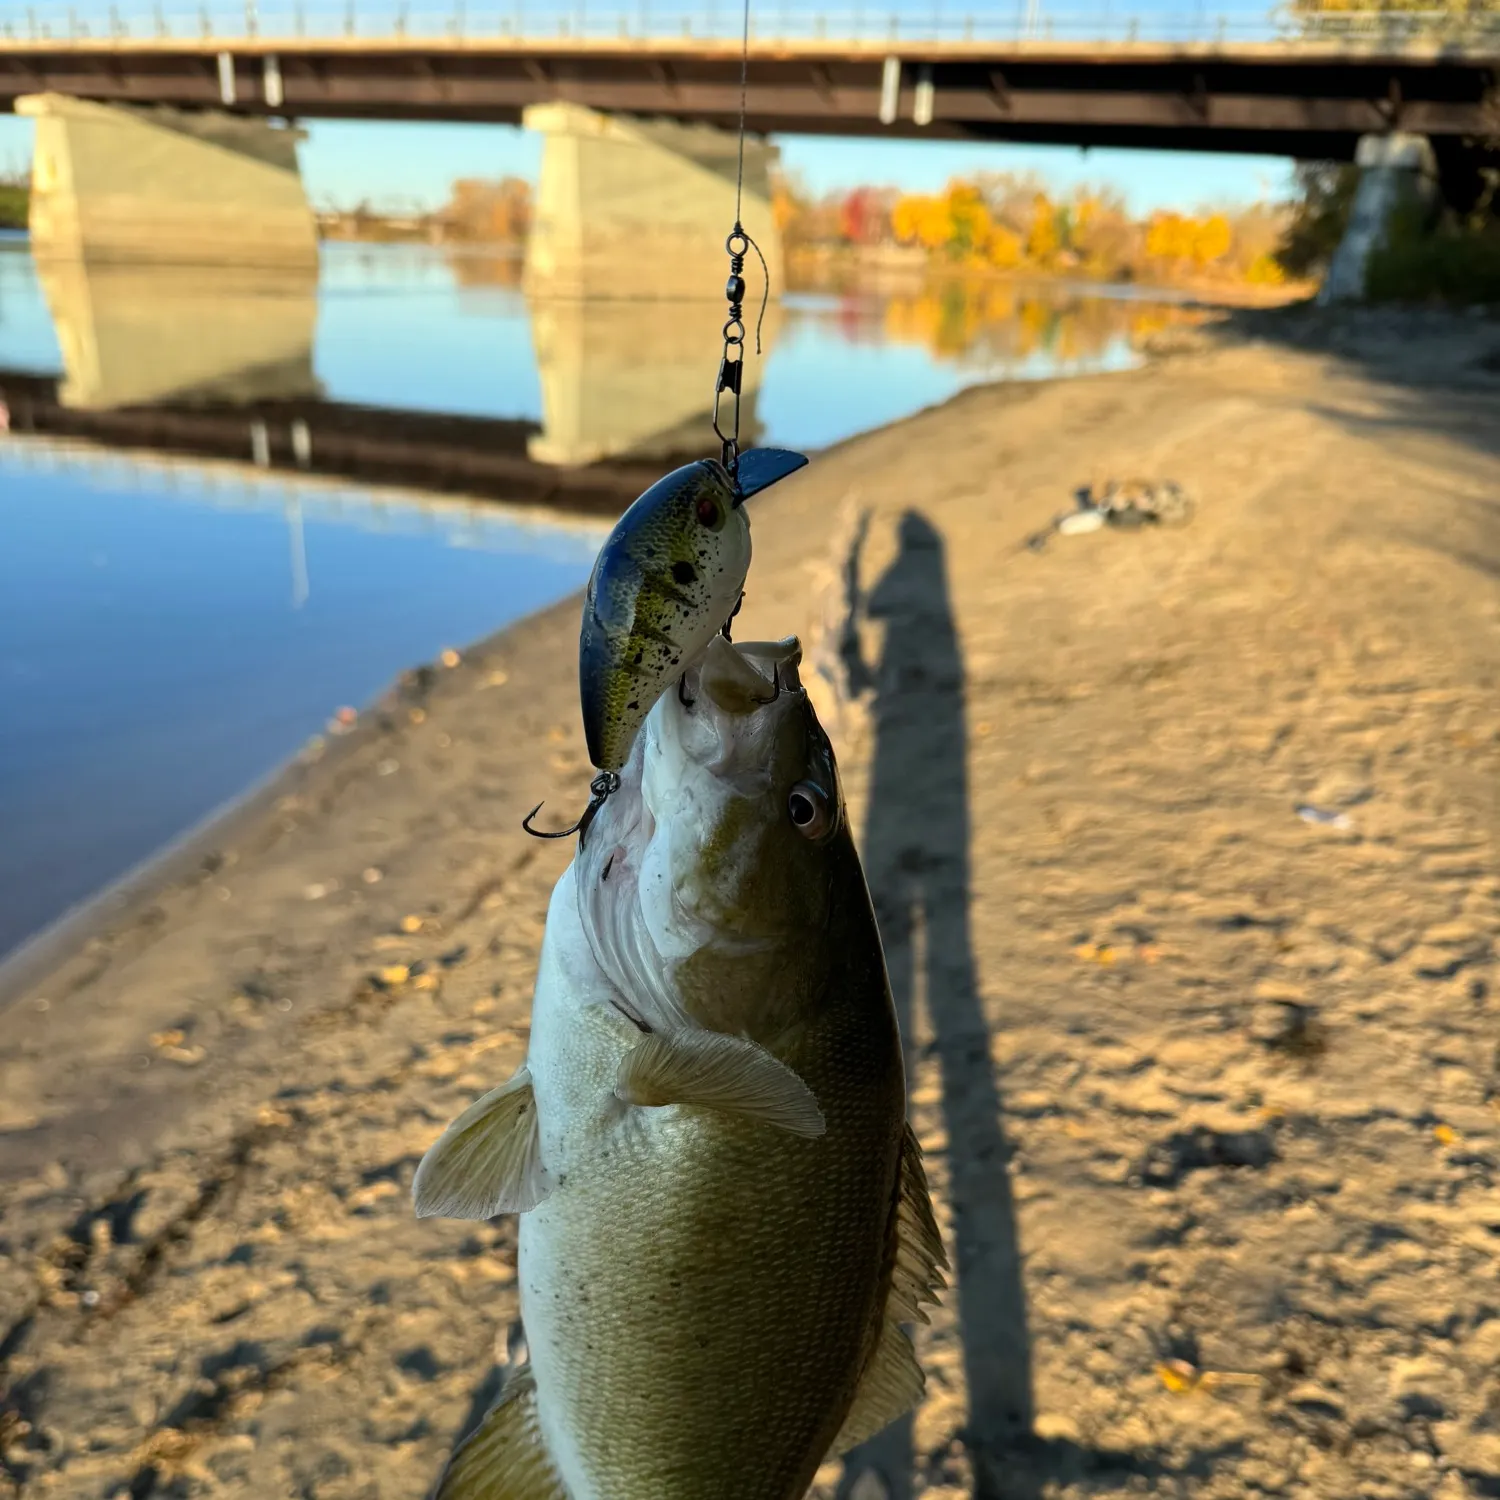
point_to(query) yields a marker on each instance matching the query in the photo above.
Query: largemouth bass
(725, 1220)
(669, 575)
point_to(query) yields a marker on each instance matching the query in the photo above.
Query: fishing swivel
(732, 364)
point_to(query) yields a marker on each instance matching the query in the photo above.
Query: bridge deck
(1296, 98)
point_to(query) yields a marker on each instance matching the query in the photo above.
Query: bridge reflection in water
(225, 365)
(219, 362)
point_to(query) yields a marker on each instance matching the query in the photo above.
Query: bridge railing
(648, 21)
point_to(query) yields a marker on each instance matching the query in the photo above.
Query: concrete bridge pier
(1395, 171)
(115, 183)
(639, 209)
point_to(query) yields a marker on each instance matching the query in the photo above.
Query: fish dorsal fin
(716, 1071)
(488, 1161)
(892, 1382)
(505, 1458)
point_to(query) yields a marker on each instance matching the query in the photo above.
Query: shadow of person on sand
(917, 859)
(916, 853)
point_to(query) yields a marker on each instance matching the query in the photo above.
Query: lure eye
(708, 512)
(808, 806)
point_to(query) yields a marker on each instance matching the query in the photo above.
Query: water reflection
(132, 336)
(999, 323)
(169, 633)
(397, 331)
(623, 379)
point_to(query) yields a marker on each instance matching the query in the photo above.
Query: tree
(480, 209)
(1044, 241)
(15, 201)
(1103, 235)
(864, 216)
(1320, 214)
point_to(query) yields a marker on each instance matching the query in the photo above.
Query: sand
(1209, 1087)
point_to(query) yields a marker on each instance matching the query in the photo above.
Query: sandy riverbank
(1200, 1080)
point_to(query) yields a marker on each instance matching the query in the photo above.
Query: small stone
(1419, 1386)
(1055, 1427)
(1316, 1400)
(1287, 1026)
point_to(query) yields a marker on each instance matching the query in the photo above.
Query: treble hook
(739, 604)
(775, 685)
(602, 787)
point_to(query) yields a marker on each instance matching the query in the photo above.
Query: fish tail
(506, 1457)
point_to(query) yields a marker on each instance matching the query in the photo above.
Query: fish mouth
(743, 677)
(657, 876)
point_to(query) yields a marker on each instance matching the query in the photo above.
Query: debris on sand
(1135, 502)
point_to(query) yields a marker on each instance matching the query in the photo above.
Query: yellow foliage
(1212, 240)
(1005, 249)
(996, 222)
(1265, 270)
(968, 218)
(1176, 237)
(1044, 241)
(957, 221)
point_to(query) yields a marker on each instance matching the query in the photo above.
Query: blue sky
(407, 165)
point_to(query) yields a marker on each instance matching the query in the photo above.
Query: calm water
(171, 628)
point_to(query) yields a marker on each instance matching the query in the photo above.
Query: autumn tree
(497, 212)
(1102, 234)
(864, 216)
(1043, 240)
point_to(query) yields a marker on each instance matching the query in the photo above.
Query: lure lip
(758, 469)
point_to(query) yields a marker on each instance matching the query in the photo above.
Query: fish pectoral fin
(892, 1382)
(488, 1161)
(505, 1458)
(716, 1071)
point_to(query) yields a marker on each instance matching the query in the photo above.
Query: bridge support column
(1395, 171)
(121, 184)
(640, 209)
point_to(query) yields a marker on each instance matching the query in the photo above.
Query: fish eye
(808, 806)
(709, 512)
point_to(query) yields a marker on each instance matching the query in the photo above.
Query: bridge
(637, 105)
(1311, 93)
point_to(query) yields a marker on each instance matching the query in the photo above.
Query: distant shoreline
(887, 269)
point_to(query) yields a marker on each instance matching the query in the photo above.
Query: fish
(725, 1225)
(669, 575)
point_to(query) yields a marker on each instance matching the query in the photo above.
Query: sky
(396, 166)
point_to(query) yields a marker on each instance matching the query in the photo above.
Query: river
(182, 610)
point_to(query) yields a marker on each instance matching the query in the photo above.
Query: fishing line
(732, 364)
